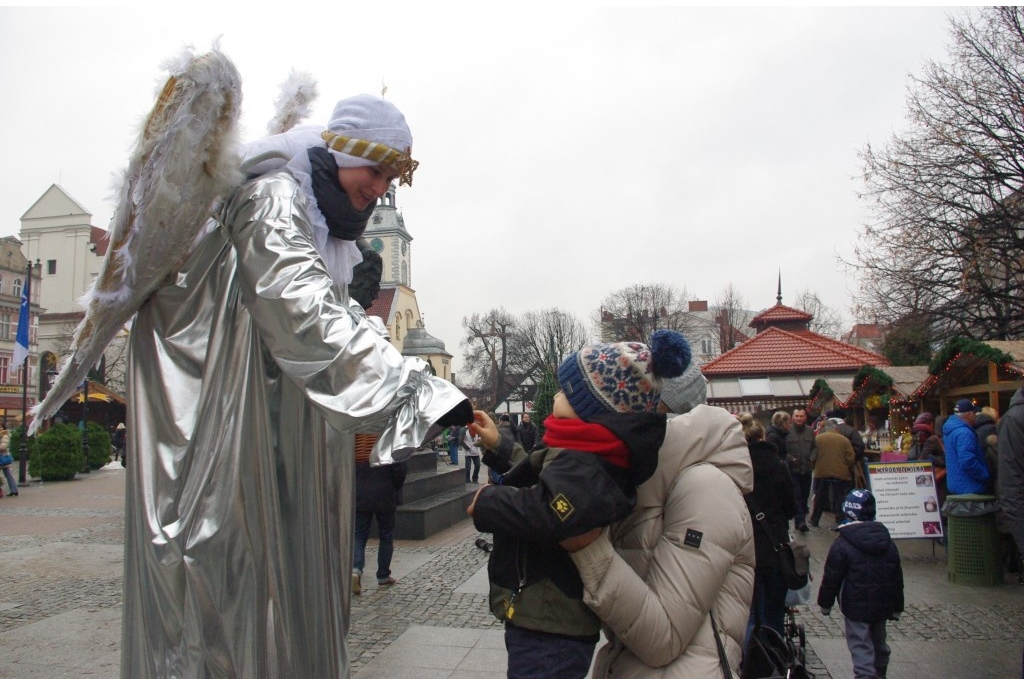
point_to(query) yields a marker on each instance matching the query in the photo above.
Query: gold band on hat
(383, 155)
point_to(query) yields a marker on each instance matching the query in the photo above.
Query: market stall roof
(907, 380)
(98, 393)
(986, 370)
(1014, 348)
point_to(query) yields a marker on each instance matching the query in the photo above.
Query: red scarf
(575, 434)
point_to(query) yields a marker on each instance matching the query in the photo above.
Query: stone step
(421, 518)
(427, 484)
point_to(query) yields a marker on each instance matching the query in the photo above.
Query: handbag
(794, 557)
(769, 655)
(6, 460)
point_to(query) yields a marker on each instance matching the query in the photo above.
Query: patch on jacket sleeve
(693, 538)
(562, 506)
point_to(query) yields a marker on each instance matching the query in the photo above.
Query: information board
(906, 498)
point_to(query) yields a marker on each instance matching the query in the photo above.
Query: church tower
(387, 236)
(396, 302)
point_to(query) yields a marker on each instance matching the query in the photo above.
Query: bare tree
(544, 338)
(947, 239)
(732, 319)
(486, 348)
(826, 321)
(113, 373)
(636, 311)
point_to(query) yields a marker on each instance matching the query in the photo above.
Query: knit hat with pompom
(622, 377)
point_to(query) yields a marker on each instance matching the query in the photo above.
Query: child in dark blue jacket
(863, 570)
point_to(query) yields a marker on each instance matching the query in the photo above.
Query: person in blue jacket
(966, 471)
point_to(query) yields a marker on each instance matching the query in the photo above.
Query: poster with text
(906, 498)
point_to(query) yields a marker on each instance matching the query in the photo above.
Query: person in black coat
(777, 432)
(863, 570)
(378, 494)
(772, 496)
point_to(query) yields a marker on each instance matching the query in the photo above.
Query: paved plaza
(60, 602)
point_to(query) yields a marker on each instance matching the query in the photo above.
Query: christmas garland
(974, 348)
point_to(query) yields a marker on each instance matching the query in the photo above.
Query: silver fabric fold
(248, 377)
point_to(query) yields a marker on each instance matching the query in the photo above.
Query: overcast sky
(564, 154)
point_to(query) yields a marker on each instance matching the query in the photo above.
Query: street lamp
(85, 423)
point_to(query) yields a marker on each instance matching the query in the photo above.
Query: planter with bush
(57, 453)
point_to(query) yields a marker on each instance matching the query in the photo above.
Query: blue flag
(21, 341)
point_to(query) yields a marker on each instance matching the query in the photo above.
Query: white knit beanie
(683, 393)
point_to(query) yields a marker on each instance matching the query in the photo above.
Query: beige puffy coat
(687, 548)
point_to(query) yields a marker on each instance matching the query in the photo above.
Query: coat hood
(981, 419)
(870, 537)
(764, 457)
(704, 434)
(642, 433)
(1018, 397)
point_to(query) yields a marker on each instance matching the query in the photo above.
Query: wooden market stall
(880, 402)
(989, 372)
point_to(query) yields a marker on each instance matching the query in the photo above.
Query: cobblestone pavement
(74, 563)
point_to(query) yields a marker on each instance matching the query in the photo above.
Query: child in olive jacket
(600, 442)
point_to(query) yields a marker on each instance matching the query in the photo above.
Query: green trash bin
(974, 552)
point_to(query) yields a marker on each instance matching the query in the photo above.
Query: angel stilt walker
(250, 370)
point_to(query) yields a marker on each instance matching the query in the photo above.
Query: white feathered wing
(185, 159)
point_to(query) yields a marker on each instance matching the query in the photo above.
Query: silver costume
(248, 376)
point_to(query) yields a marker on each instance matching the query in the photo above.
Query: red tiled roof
(778, 314)
(775, 350)
(382, 304)
(101, 239)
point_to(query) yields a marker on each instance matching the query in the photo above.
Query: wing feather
(185, 159)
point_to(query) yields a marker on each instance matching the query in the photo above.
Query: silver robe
(248, 376)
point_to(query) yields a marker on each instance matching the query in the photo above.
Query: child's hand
(484, 427)
(575, 544)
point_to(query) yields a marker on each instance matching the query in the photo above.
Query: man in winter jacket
(527, 433)
(801, 453)
(1011, 466)
(600, 442)
(966, 472)
(850, 433)
(863, 570)
(832, 471)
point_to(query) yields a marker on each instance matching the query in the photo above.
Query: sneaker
(386, 582)
(357, 584)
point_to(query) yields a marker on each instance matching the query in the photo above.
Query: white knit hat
(683, 393)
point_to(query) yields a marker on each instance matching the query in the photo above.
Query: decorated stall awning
(988, 372)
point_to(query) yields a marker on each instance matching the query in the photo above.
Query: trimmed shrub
(57, 453)
(99, 445)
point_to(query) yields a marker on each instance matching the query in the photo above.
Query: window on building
(17, 287)
(5, 367)
(5, 326)
(33, 329)
(1, 284)
(51, 266)
(756, 386)
(707, 346)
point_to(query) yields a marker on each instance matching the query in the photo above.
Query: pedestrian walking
(378, 495)
(863, 571)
